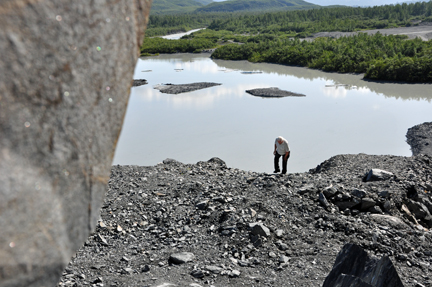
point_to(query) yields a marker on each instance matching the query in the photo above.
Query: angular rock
(197, 273)
(367, 203)
(182, 257)
(260, 229)
(330, 191)
(202, 205)
(378, 174)
(419, 210)
(352, 260)
(347, 204)
(214, 269)
(358, 193)
(322, 199)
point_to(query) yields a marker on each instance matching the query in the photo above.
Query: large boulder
(354, 268)
(65, 75)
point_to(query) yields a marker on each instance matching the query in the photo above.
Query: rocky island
(183, 88)
(207, 224)
(272, 93)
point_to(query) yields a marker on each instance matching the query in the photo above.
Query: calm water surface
(226, 122)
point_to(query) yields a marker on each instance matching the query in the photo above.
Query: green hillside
(176, 6)
(256, 5)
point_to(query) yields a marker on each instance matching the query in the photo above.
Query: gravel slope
(243, 228)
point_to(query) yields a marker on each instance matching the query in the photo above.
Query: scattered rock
(260, 229)
(378, 174)
(182, 257)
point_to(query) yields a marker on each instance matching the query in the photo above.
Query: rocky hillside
(176, 6)
(206, 224)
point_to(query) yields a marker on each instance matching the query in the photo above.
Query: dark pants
(284, 163)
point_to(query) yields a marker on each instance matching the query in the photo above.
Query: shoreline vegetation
(282, 38)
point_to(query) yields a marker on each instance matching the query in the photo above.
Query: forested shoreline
(277, 38)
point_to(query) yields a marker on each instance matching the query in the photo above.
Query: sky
(350, 2)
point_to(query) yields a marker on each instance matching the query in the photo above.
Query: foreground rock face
(354, 268)
(236, 228)
(66, 69)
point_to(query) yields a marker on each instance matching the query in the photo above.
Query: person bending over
(281, 149)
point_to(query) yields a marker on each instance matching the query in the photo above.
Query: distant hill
(256, 5)
(176, 6)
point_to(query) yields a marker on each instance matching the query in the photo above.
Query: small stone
(202, 205)
(283, 259)
(182, 257)
(272, 255)
(214, 269)
(260, 229)
(102, 240)
(330, 191)
(322, 199)
(127, 270)
(367, 203)
(375, 209)
(378, 174)
(197, 273)
(279, 233)
(234, 274)
(251, 212)
(358, 193)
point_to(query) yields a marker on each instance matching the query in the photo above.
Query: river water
(341, 114)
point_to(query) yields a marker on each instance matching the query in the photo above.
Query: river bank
(209, 209)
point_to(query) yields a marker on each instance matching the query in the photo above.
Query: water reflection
(352, 81)
(340, 114)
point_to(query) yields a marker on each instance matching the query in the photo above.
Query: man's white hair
(279, 138)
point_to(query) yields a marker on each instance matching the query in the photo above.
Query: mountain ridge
(161, 7)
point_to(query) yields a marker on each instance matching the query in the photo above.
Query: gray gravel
(231, 227)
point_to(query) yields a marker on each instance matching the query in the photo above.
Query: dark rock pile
(419, 138)
(205, 224)
(184, 88)
(272, 93)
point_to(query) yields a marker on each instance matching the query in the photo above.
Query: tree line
(380, 57)
(275, 38)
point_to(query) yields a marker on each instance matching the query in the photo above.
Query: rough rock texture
(66, 69)
(420, 138)
(272, 93)
(184, 88)
(255, 229)
(362, 270)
